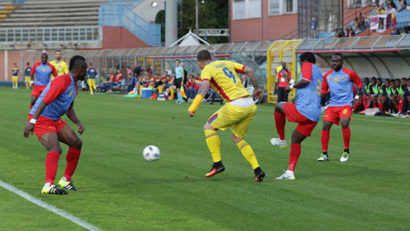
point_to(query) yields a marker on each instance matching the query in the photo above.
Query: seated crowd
(389, 95)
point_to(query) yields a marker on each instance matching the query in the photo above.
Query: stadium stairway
(53, 13)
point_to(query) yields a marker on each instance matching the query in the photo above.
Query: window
(274, 7)
(360, 3)
(243, 9)
(277, 7)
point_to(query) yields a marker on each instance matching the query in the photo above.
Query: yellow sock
(214, 144)
(171, 90)
(248, 153)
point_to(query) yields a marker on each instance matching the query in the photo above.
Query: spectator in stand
(132, 86)
(373, 93)
(391, 15)
(380, 9)
(170, 86)
(284, 77)
(380, 96)
(190, 88)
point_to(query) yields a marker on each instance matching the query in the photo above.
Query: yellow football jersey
(61, 67)
(224, 78)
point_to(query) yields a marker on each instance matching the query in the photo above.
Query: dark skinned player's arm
(72, 116)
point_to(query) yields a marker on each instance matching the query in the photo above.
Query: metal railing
(51, 34)
(118, 14)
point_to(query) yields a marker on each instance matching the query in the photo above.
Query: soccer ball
(151, 153)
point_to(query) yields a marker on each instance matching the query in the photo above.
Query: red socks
(280, 121)
(346, 137)
(51, 166)
(72, 160)
(325, 140)
(380, 106)
(295, 150)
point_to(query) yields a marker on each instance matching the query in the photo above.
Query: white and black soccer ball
(151, 153)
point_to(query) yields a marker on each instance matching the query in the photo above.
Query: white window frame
(282, 8)
(247, 12)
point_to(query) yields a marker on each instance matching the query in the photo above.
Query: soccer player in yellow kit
(59, 64)
(15, 76)
(236, 114)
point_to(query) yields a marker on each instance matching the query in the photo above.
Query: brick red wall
(115, 37)
(265, 28)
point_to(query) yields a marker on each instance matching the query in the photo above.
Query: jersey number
(229, 74)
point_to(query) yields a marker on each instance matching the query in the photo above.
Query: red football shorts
(45, 125)
(37, 89)
(305, 126)
(334, 114)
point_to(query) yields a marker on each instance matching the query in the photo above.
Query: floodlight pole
(196, 16)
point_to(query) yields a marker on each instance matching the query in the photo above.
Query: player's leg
(330, 117)
(295, 151)
(69, 137)
(90, 86)
(280, 122)
(50, 142)
(214, 145)
(239, 131)
(346, 138)
(327, 125)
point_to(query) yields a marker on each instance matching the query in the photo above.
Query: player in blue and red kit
(305, 112)
(340, 82)
(42, 72)
(45, 120)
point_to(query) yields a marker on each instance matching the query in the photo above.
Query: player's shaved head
(77, 62)
(78, 67)
(204, 56)
(44, 58)
(337, 62)
(308, 57)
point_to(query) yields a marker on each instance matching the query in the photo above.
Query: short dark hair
(76, 62)
(379, 79)
(366, 78)
(374, 78)
(44, 54)
(338, 54)
(308, 56)
(28, 63)
(203, 55)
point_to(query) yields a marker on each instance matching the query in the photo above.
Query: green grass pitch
(119, 190)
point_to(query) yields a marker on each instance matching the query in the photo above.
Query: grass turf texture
(119, 190)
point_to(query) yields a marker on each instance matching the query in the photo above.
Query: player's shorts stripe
(243, 145)
(221, 92)
(210, 135)
(212, 118)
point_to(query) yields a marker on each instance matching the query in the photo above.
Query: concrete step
(57, 6)
(62, 14)
(63, 10)
(49, 24)
(47, 18)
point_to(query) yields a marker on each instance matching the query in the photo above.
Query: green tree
(212, 14)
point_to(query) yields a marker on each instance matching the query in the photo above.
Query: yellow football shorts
(233, 117)
(28, 79)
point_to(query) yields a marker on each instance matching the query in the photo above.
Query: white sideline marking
(49, 207)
